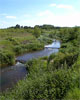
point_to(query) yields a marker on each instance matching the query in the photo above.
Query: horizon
(65, 13)
(40, 25)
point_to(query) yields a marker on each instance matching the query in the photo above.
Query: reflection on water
(46, 52)
(42, 53)
(12, 74)
(54, 45)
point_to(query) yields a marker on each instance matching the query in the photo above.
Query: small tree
(36, 32)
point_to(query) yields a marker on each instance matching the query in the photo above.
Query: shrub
(34, 46)
(18, 50)
(7, 58)
(13, 40)
(61, 59)
(37, 32)
(73, 94)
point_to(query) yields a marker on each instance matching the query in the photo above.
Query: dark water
(9, 76)
(42, 53)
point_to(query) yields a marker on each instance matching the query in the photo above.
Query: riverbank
(12, 74)
(7, 57)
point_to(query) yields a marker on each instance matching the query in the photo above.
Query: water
(53, 48)
(54, 45)
(42, 53)
(9, 76)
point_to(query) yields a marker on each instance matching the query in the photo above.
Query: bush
(18, 50)
(13, 40)
(73, 94)
(34, 46)
(60, 59)
(37, 32)
(7, 58)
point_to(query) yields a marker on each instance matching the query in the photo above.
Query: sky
(39, 12)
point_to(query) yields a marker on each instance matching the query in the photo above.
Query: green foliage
(45, 39)
(51, 57)
(18, 50)
(12, 40)
(34, 46)
(7, 58)
(47, 27)
(73, 94)
(37, 32)
(59, 60)
(18, 41)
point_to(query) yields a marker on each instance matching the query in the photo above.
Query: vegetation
(36, 32)
(49, 78)
(73, 94)
(16, 41)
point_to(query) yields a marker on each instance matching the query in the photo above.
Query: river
(9, 76)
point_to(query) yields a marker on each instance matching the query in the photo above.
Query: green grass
(73, 94)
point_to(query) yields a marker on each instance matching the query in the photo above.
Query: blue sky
(38, 12)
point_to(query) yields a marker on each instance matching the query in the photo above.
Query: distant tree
(37, 26)
(45, 26)
(21, 26)
(17, 26)
(25, 27)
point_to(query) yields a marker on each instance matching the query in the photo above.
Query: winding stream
(9, 76)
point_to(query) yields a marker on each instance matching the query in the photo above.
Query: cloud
(65, 6)
(44, 13)
(61, 6)
(67, 19)
(11, 17)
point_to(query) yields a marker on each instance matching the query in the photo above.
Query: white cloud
(11, 17)
(44, 13)
(61, 6)
(67, 19)
(65, 6)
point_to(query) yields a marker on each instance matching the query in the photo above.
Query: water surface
(52, 48)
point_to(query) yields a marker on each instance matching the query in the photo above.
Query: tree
(17, 26)
(36, 32)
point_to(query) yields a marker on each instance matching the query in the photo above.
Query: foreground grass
(73, 94)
